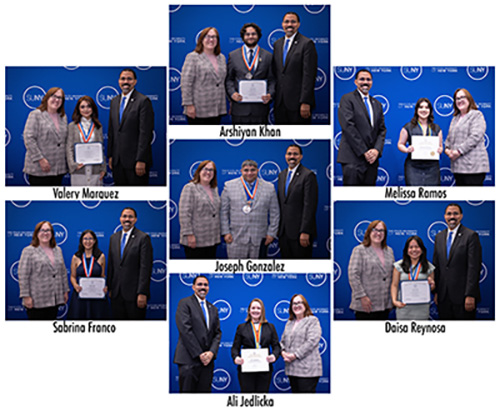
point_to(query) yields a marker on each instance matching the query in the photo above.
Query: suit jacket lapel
(456, 242)
(294, 180)
(44, 256)
(292, 48)
(362, 107)
(127, 108)
(50, 123)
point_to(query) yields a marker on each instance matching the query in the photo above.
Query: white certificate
(415, 291)
(425, 147)
(252, 90)
(92, 288)
(254, 360)
(89, 154)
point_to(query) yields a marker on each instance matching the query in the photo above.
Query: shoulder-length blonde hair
(45, 100)
(36, 242)
(262, 311)
(367, 240)
(199, 44)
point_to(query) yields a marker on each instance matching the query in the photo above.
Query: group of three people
(43, 278)
(453, 276)
(200, 335)
(51, 143)
(289, 73)
(249, 214)
(361, 118)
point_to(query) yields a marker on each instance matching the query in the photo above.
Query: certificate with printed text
(252, 90)
(92, 288)
(254, 360)
(425, 148)
(415, 291)
(89, 154)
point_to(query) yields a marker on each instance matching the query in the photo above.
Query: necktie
(122, 107)
(285, 51)
(122, 245)
(204, 311)
(368, 109)
(250, 58)
(448, 244)
(288, 179)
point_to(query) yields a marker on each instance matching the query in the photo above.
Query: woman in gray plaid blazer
(43, 278)
(465, 142)
(203, 81)
(45, 135)
(300, 347)
(370, 274)
(199, 213)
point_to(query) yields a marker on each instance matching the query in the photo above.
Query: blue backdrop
(231, 294)
(26, 86)
(187, 21)
(398, 89)
(404, 219)
(185, 156)
(70, 219)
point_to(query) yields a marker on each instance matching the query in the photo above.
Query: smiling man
(249, 214)
(130, 133)
(457, 258)
(361, 118)
(130, 264)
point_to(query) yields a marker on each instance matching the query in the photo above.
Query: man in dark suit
(250, 62)
(130, 263)
(298, 200)
(457, 258)
(295, 62)
(199, 338)
(363, 133)
(130, 133)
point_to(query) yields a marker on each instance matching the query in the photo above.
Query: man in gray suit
(248, 63)
(249, 213)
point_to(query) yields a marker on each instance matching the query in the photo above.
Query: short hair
(295, 146)
(196, 176)
(367, 240)
(291, 12)
(361, 70)
(430, 119)
(472, 103)
(308, 311)
(255, 26)
(36, 242)
(77, 116)
(45, 100)
(424, 263)
(249, 163)
(199, 44)
(199, 276)
(130, 209)
(262, 311)
(129, 70)
(96, 252)
(453, 204)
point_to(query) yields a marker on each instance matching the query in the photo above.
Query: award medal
(86, 136)
(247, 208)
(88, 269)
(250, 65)
(413, 274)
(427, 132)
(256, 334)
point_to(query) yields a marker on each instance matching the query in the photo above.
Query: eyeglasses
(88, 239)
(297, 303)
(460, 98)
(378, 230)
(45, 231)
(56, 97)
(210, 37)
(209, 170)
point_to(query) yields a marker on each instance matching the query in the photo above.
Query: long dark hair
(77, 116)
(406, 265)
(96, 252)
(430, 119)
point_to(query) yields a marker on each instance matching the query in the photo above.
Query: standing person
(43, 279)
(85, 129)
(249, 214)
(361, 118)
(295, 63)
(457, 258)
(370, 273)
(45, 135)
(199, 338)
(202, 81)
(298, 200)
(130, 265)
(248, 63)
(130, 133)
(255, 333)
(465, 142)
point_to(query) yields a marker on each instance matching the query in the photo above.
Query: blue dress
(88, 309)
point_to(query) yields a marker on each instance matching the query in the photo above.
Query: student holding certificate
(84, 147)
(87, 278)
(425, 144)
(251, 350)
(412, 282)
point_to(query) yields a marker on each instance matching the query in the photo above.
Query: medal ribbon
(429, 130)
(243, 54)
(86, 269)
(86, 136)
(415, 272)
(256, 335)
(250, 195)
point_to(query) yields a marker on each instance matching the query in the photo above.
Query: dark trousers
(206, 252)
(52, 180)
(196, 378)
(249, 119)
(379, 315)
(469, 179)
(126, 310)
(449, 311)
(127, 176)
(204, 121)
(303, 384)
(360, 174)
(48, 313)
(283, 116)
(291, 249)
(257, 382)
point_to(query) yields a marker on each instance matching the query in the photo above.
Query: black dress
(86, 309)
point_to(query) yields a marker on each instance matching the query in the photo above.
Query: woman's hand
(398, 304)
(28, 302)
(271, 358)
(239, 360)
(191, 111)
(191, 241)
(44, 164)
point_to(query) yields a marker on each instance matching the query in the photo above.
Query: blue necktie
(122, 107)
(122, 245)
(368, 109)
(250, 58)
(204, 311)
(288, 179)
(448, 244)
(285, 51)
